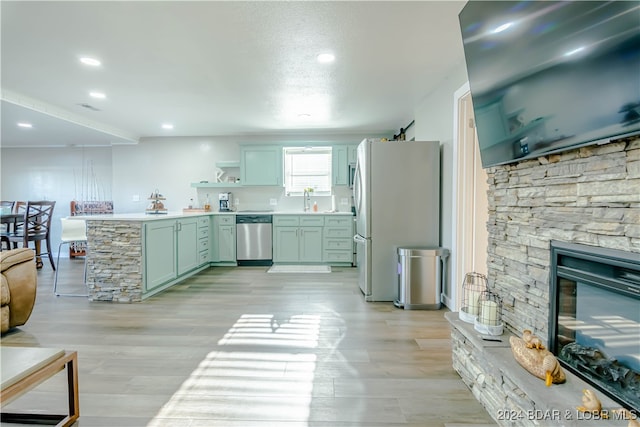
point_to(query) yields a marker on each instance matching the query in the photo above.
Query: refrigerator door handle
(357, 197)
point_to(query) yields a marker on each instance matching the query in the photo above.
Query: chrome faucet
(306, 198)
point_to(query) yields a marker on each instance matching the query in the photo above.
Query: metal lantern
(472, 289)
(489, 320)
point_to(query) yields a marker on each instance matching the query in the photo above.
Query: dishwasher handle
(254, 219)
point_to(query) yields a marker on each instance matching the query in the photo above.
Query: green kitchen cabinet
(340, 165)
(352, 153)
(172, 248)
(204, 240)
(160, 253)
(188, 248)
(338, 240)
(261, 165)
(310, 244)
(297, 244)
(297, 238)
(225, 238)
(285, 244)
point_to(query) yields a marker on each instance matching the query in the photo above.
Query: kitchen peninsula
(133, 256)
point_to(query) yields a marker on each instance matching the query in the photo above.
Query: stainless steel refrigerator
(396, 193)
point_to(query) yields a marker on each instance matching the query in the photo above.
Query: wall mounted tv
(550, 76)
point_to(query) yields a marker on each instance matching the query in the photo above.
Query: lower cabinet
(224, 238)
(188, 248)
(313, 238)
(172, 248)
(160, 253)
(338, 240)
(297, 238)
(204, 240)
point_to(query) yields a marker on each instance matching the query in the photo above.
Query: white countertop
(179, 214)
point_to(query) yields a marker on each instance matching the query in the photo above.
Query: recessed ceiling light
(90, 61)
(25, 125)
(304, 115)
(326, 57)
(98, 95)
(167, 126)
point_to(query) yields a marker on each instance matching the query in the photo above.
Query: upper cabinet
(352, 153)
(343, 156)
(340, 165)
(261, 165)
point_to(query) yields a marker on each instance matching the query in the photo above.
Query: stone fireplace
(588, 196)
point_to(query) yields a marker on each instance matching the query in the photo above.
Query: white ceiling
(219, 68)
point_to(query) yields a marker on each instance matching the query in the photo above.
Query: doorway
(470, 201)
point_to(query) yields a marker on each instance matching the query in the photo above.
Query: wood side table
(23, 368)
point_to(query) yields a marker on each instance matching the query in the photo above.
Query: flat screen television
(548, 76)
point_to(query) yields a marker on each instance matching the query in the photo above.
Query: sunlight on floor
(267, 374)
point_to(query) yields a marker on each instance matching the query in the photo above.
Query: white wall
(434, 121)
(60, 174)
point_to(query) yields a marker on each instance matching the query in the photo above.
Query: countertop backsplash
(260, 198)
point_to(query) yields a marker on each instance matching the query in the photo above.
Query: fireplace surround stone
(589, 195)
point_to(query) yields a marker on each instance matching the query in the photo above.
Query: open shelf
(215, 184)
(228, 164)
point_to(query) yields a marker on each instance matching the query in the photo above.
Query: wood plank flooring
(237, 347)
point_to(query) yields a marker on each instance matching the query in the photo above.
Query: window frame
(288, 155)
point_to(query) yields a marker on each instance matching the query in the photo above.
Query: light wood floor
(237, 347)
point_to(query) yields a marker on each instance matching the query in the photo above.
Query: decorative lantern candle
(489, 320)
(473, 301)
(488, 313)
(472, 288)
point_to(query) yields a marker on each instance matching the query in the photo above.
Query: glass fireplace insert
(594, 322)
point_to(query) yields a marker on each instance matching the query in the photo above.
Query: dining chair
(73, 230)
(6, 209)
(8, 205)
(19, 207)
(36, 227)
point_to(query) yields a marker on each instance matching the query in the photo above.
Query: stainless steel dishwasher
(254, 238)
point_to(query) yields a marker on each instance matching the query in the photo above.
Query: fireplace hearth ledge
(510, 394)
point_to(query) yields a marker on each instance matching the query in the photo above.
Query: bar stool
(73, 230)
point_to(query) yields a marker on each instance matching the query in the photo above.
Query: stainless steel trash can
(420, 275)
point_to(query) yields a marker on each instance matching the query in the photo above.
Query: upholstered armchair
(19, 283)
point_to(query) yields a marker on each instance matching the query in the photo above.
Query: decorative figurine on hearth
(537, 361)
(591, 404)
(531, 340)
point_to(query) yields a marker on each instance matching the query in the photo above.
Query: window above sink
(307, 168)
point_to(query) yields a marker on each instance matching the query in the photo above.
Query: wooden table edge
(68, 360)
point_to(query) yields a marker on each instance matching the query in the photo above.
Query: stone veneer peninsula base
(133, 256)
(510, 394)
